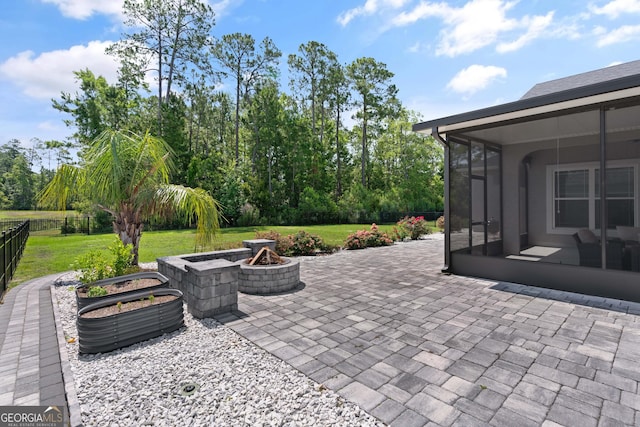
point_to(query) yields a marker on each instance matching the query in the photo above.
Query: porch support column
(604, 220)
(447, 208)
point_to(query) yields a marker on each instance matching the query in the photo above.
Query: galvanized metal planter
(103, 334)
(85, 301)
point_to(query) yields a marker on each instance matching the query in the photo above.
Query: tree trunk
(238, 81)
(128, 226)
(363, 160)
(338, 172)
(159, 83)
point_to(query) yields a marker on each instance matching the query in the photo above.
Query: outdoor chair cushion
(628, 233)
(587, 236)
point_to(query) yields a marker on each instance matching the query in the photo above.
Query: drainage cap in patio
(189, 389)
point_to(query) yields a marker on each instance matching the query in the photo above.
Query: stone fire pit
(210, 280)
(269, 279)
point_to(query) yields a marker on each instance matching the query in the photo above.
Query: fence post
(4, 261)
(88, 226)
(11, 250)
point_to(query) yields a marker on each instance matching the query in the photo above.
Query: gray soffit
(607, 91)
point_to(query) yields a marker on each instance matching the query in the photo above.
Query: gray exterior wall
(541, 155)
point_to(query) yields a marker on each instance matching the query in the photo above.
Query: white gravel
(239, 383)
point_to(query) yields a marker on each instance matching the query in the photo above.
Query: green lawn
(36, 214)
(51, 252)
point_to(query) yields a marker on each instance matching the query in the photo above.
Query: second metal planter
(103, 334)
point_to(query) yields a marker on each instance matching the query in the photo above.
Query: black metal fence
(12, 246)
(67, 225)
(361, 217)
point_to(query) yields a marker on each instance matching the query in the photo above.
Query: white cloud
(415, 48)
(223, 7)
(475, 78)
(615, 8)
(536, 27)
(623, 34)
(46, 75)
(83, 9)
(370, 7)
(477, 24)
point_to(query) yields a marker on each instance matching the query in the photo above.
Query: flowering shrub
(303, 243)
(440, 223)
(283, 243)
(367, 238)
(412, 227)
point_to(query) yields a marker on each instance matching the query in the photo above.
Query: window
(620, 196)
(571, 201)
(575, 196)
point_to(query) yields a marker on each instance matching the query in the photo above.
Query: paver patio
(387, 330)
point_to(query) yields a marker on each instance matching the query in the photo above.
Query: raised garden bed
(121, 286)
(121, 320)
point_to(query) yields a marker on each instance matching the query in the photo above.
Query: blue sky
(448, 56)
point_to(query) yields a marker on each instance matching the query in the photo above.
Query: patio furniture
(589, 250)
(631, 260)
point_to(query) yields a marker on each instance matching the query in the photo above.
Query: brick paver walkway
(387, 330)
(30, 362)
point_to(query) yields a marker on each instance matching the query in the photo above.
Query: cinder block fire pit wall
(210, 281)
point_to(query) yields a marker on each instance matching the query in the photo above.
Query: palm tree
(127, 175)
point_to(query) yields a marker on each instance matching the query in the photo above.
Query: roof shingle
(584, 79)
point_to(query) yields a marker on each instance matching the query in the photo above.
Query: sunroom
(534, 187)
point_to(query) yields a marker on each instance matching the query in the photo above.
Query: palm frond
(68, 180)
(121, 162)
(186, 202)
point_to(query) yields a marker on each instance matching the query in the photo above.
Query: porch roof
(571, 96)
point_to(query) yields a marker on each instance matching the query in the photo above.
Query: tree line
(335, 146)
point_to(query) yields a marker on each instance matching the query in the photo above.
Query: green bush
(102, 222)
(67, 229)
(122, 257)
(92, 266)
(96, 291)
(316, 208)
(95, 265)
(367, 239)
(440, 223)
(249, 215)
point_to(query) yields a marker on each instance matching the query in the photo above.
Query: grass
(51, 252)
(36, 214)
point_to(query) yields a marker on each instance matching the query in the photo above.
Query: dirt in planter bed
(127, 306)
(129, 285)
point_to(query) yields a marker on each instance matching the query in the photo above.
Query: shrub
(122, 257)
(412, 227)
(367, 238)
(95, 265)
(102, 222)
(316, 208)
(67, 229)
(283, 243)
(249, 215)
(440, 223)
(96, 291)
(303, 243)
